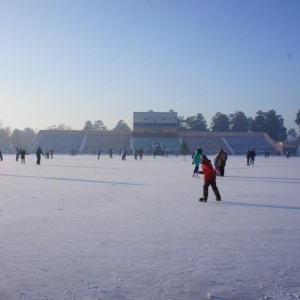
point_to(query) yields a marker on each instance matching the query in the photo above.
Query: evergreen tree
(99, 125)
(196, 123)
(60, 127)
(88, 125)
(122, 126)
(28, 136)
(16, 138)
(292, 135)
(4, 132)
(259, 122)
(184, 148)
(220, 123)
(181, 124)
(239, 122)
(22, 138)
(271, 124)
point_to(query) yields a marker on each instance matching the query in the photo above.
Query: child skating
(209, 179)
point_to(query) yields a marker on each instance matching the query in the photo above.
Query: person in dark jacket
(252, 156)
(209, 179)
(17, 154)
(22, 154)
(39, 153)
(221, 158)
(248, 157)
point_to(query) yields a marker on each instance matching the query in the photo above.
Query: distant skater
(135, 154)
(196, 161)
(248, 157)
(123, 154)
(252, 156)
(141, 153)
(17, 154)
(23, 153)
(39, 153)
(99, 153)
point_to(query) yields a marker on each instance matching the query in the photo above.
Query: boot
(217, 194)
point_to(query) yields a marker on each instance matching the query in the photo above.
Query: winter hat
(199, 149)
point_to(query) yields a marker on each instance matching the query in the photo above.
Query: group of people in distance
(210, 173)
(21, 153)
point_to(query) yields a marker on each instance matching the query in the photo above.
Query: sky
(67, 62)
(106, 232)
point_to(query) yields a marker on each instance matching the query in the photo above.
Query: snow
(82, 228)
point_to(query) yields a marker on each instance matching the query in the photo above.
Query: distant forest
(267, 122)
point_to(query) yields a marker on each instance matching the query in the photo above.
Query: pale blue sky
(69, 61)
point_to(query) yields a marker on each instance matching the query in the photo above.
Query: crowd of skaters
(219, 160)
(138, 153)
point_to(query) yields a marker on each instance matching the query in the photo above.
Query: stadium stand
(106, 140)
(62, 141)
(86, 142)
(209, 144)
(241, 144)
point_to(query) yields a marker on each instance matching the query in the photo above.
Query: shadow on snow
(260, 205)
(75, 180)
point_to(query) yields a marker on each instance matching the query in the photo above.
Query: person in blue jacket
(196, 161)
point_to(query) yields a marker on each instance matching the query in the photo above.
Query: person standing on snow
(17, 153)
(252, 156)
(22, 154)
(196, 161)
(248, 157)
(209, 179)
(39, 153)
(221, 158)
(141, 153)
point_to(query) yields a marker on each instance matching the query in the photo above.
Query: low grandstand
(82, 142)
(86, 142)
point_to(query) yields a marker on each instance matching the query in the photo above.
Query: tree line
(267, 122)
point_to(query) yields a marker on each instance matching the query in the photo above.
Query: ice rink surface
(76, 227)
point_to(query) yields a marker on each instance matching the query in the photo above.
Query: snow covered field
(82, 228)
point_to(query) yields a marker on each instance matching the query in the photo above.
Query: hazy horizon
(72, 61)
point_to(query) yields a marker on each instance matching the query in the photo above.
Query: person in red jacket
(209, 179)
